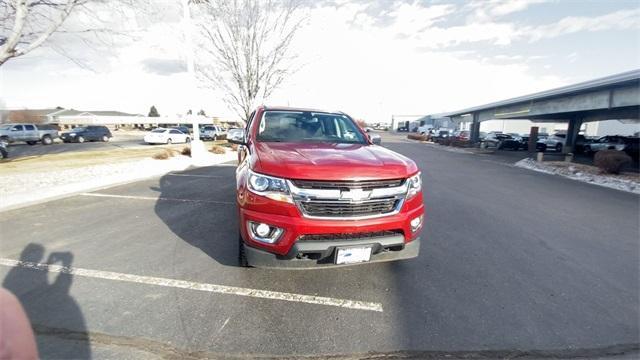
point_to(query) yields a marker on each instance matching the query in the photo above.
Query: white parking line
(135, 197)
(182, 284)
(195, 175)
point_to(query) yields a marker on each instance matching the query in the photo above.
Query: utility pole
(198, 150)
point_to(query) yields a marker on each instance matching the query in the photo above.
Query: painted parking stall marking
(197, 175)
(136, 197)
(182, 284)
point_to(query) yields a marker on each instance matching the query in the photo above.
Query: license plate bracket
(353, 254)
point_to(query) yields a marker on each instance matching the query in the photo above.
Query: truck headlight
(414, 185)
(268, 186)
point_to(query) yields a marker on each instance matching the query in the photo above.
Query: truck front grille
(349, 236)
(337, 208)
(363, 184)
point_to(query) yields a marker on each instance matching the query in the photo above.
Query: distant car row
(46, 134)
(557, 141)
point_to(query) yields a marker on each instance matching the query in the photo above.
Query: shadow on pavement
(200, 209)
(51, 309)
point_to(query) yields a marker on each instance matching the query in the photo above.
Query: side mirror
(376, 139)
(236, 138)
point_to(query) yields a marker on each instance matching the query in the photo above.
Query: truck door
(17, 133)
(30, 133)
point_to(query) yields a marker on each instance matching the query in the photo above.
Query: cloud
(164, 66)
(623, 19)
(497, 8)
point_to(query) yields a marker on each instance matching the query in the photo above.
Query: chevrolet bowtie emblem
(355, 195)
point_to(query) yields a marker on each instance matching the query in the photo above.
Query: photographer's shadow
(53, 313)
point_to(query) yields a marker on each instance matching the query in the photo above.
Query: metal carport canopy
(612, 97)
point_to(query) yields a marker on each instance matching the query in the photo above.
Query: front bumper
(384, 249)
(391, 236)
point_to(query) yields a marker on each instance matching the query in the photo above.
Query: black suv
(87, 133)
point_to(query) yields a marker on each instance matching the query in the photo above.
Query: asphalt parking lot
(512, 263)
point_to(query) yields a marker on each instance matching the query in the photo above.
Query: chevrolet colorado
(314, 190)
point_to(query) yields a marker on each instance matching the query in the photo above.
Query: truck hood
(330, 161)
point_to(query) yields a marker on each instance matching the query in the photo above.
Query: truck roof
(288, 108)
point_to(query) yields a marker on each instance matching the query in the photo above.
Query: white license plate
(352, 255)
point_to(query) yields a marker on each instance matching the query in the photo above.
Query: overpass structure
(615, 97)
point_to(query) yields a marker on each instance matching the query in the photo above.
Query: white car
(425, 129)
(166, 136)
(212, 132)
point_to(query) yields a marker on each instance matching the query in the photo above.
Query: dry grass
(417, 137)
(217, 149)
(70, 160)
(164, 154)
(186, 151)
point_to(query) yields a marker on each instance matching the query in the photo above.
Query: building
(67, 118)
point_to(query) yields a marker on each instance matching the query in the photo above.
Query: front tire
(80, 139)
(187, 140)
(169, 141)
(47, 140)
(3, 153)
(242, 255)
(105, 138)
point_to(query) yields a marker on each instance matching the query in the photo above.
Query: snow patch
(574, 172)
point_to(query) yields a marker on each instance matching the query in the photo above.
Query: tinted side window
(29, 127)
(175, 132)
(17, 128)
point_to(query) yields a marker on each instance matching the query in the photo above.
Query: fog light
(264, 232)
(416, 223)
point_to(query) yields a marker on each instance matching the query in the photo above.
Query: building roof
(624, 78)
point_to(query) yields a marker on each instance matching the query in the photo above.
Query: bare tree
(26, 25)
(245, 48)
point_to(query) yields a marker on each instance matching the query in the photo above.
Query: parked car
(235, 133)
(29, 133)
(87, 133)
(212, 132)
(425, 129)
(309, 186)
(3, 150)
(462, 135)
(609, 142)
(632, 147)
(166, 136)
(524, 141)
(440, 135)
(555, 141)
(182, 129)
(499, 140)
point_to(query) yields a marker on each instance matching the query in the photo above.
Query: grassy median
(76, 159)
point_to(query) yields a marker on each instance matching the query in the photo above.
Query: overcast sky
(371, 59)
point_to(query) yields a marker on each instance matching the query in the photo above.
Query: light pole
(198, 150)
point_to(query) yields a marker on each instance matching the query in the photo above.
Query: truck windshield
(298, 126)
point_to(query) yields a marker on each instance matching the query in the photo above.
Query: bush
(217, 149)
(186, 151)
(611, 161)
(461, 143)
(417, 137)
(164, 154)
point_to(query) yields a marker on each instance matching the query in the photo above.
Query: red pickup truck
(314, 190)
